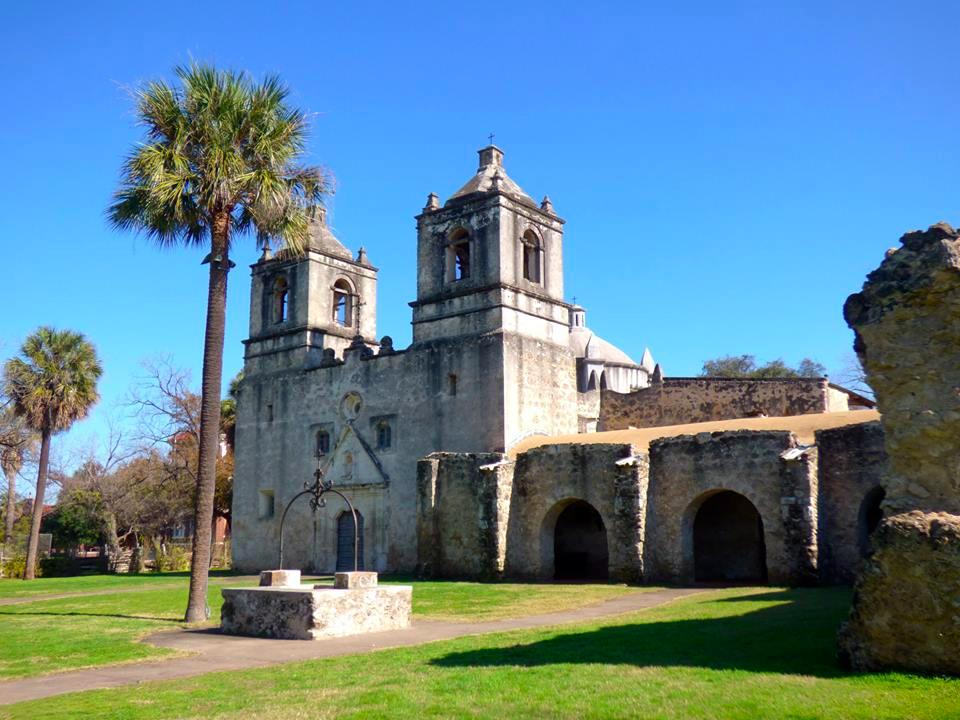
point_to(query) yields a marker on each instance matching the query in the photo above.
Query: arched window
(458, 256)
(532, 257)
(281, 294)
(343, 303)
(323, 442)
(384, 435)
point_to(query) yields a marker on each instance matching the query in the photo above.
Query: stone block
(308, 613)
(354, 580)
(280, 578)
(907, 613)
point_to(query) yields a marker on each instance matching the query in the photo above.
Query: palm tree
(220, 158)
(52, 384)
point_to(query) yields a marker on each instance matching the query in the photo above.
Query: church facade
(425, 440)
(497, 355)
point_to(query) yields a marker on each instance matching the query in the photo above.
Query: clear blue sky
(729, 172)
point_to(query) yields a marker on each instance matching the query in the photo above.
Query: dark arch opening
(345, 542)
(871, 513)
(728, 540)
(580, 544)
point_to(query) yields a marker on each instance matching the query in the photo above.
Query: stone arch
(869, 517)
(574, 543)
(603, 380)
(723, 539)
(457, 259)
(280, 300)
(344, 300)
(531, 258)
(345, 542)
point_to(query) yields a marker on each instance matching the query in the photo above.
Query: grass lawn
(13, 588)
(745, 653)
(44, 636)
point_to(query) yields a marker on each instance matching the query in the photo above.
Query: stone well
(282, 608)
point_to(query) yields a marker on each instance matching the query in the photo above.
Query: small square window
(266, 505)
(452, 379)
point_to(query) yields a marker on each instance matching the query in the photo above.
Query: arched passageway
(871, 513)
(728, 540)
(580, 543)
(345, 542)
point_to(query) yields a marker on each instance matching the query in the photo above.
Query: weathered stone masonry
(678, 401)
(906, 611)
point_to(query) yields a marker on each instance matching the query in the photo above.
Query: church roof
(587, 344)
(323, 240)
(492, 176)
(803, 426)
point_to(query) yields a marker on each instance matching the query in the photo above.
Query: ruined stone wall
(611, 478)
(687, 470)
(462, 506)
(853, 463)
(678, 401)
(907, 326)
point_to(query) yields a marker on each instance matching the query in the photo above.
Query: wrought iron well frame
(318, 489)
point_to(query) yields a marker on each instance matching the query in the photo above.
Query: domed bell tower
(303, 304)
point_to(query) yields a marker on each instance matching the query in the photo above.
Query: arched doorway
(345, 542)
(580, 544)
(871, 513)
(728, 540)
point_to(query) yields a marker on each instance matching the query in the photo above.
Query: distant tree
(220, 159)
(17, 442)
(745, 366)
(76, 520)
(854, 377)
(52, 383)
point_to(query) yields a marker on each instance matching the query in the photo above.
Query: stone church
(468, 452)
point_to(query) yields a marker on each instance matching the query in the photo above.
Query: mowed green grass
(44, 636)
(740, 654)
(12, 588)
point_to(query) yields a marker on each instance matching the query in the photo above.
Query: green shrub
(56, 566)
(175, 559)
(15, 564)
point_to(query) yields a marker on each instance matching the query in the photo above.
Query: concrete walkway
(214, 652)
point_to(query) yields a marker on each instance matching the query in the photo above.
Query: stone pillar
(906, 612)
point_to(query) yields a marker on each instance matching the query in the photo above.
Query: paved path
(214, 652)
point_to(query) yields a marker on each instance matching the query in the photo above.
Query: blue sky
(728, 172)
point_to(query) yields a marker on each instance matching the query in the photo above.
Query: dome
(323, 240)
(587, 344)
(492, 176)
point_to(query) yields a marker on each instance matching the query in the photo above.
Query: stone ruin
(906, 611)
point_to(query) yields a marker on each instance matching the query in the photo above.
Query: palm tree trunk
(209, 419)
(11, 513)
(29, 571)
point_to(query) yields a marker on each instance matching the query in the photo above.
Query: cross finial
(490, 137)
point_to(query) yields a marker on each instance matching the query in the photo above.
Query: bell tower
(489, 259)
(302, 305)
(490, 299)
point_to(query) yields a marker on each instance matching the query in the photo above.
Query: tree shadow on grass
(794, 638)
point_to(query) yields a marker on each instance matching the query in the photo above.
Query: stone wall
(907, 326)
(462, 506)
(546, 480)
(853, 463)
(686, 471)
(678, 401)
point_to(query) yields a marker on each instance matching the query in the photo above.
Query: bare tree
(854, 377)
